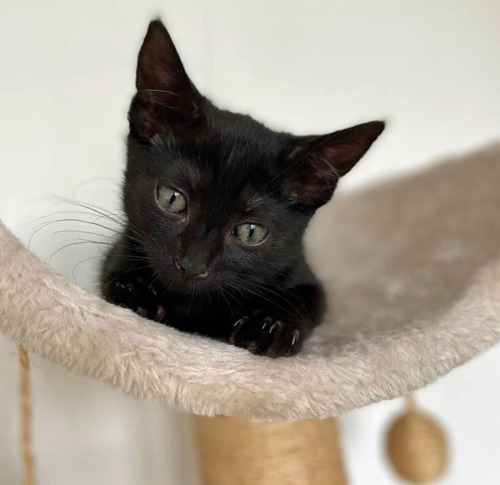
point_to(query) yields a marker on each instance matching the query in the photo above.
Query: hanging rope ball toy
(416, 445)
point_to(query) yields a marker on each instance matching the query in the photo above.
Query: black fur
(231, 170)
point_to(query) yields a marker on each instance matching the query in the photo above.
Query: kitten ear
(165, 94)
(319, 161)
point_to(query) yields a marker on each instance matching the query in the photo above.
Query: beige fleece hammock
(412, 269)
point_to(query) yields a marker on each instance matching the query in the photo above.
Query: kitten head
(218, 199)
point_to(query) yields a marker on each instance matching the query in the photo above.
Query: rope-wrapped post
(236, 451)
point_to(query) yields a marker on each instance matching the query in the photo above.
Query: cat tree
(412, 270)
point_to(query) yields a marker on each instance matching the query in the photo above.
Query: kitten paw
(262, 334)
(133, 293)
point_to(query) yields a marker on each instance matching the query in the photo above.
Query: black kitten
(217, 205)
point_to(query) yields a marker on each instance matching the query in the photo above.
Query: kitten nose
(192, 267)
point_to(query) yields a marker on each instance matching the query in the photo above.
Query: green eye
(171, 200)
(250, 233)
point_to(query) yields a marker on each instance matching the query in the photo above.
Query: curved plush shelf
(412, 267)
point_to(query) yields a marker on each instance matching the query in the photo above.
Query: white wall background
(432, 69)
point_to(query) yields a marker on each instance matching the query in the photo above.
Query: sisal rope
(28, 464)
(410, 403)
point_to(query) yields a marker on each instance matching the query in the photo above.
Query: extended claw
(240, 322)
(267, 321)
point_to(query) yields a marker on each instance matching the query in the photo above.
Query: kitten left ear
(317, 162)
(165, 94)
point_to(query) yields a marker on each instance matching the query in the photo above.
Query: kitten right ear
(317, 162)
(165, 94)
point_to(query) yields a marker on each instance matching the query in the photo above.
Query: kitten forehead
(219, 161)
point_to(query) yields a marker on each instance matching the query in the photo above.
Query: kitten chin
(216, 207)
